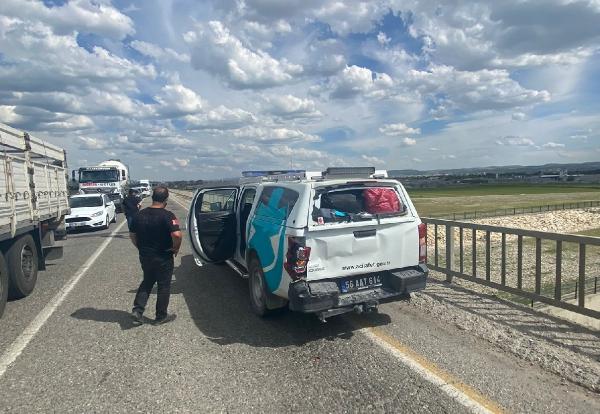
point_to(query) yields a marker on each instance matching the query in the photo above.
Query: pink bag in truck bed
(381, 200)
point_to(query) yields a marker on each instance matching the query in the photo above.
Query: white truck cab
(342, 241)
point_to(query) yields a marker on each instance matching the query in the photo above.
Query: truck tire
(22, 261)
(262, 302)
(3, 284)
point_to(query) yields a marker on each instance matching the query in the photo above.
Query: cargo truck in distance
(109, 177)
(33, 204)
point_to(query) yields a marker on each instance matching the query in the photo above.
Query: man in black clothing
(156, 234)
(131, 206)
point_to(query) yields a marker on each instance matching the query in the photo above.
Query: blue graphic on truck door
(266, 233)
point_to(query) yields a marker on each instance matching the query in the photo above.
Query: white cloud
(408, 142)
(519, 116)
(383, 39)
(177, 100)
(221, 117)
(246, 149)
(472, 91)
(182, 162)
(290, 107)
(350, 16)
(89, 16)
(398, 129)
(553, 145)
(355, 80)
(515, 141)
(372, 160)
(91, 143)
(159, 53)
(38, 60)
(297, 153)
(216, 50)
(274, 134)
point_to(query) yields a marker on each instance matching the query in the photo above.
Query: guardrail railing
(530, 264)
(513, 211)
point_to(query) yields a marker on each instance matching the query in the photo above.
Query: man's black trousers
(156, 270)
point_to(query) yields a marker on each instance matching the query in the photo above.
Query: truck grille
(77, 219)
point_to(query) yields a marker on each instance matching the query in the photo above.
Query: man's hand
(177, 237)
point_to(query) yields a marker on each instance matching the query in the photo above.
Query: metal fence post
(449, 251)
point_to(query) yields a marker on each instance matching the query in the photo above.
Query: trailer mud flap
(53, 252)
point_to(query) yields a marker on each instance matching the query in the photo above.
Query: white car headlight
(98, 213)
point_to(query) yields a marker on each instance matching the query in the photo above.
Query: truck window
(218, 200)
(276, 202)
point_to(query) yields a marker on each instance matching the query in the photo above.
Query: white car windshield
(77, 202)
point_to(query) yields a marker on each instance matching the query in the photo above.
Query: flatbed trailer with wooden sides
(33, 204)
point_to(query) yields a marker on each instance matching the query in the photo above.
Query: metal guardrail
(470, 215)
(451, 269)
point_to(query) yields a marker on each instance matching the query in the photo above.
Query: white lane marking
(178, 202)
(19, 344)
(460, 393)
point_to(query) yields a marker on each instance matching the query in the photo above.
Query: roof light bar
(349, 172)
(272, 173)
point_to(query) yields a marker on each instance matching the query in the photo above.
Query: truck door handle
(365, 233)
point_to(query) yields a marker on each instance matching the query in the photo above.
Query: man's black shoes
(165, 319)
(137, 318)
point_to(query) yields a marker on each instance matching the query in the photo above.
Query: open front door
(212, 224)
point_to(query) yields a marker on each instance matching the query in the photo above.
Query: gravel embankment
(561, 347)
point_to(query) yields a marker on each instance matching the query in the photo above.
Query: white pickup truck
(33, 204)
(341, 241)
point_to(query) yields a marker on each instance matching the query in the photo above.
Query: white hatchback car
(91, 211)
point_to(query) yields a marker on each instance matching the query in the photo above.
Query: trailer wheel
(3, 284)
(22, 261)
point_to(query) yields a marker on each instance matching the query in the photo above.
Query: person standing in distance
(156, 234)
(131, 206)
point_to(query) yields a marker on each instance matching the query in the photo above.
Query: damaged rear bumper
(322, 295)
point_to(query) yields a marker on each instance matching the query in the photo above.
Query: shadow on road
(525, 320)
(106, 315)
(218, 302)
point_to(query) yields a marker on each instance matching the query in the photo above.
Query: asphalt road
(217, 356)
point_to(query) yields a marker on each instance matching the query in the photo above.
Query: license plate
(76, 224)
(360, 283)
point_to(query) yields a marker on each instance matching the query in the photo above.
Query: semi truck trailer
(33, 204)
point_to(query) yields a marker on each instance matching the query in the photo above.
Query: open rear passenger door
(212, 224)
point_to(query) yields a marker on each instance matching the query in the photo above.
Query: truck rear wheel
(22, 261)
(3, 284)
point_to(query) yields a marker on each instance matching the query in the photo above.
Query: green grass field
(482, 190)
(484, 198)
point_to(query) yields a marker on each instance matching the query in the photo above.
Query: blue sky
(187, 89)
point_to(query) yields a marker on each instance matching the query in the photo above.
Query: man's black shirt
(153, 228)
(130, 205)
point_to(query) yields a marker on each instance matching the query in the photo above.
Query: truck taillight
(297, 257)
(422, 243)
